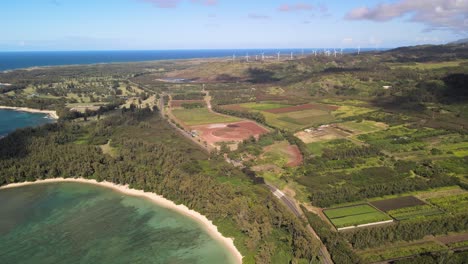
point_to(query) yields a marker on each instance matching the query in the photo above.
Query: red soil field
(178, 103)
(238, 131)
(295, 156)
(303, 107)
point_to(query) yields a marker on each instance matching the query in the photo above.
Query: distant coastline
(50, 113)
(157, 199)
(29, 60)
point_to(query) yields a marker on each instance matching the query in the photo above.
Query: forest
(262, 229)
(360, 128)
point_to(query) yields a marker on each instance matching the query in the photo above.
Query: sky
(228, 24)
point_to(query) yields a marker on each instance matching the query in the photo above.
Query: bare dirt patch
(214, 133)
(303, 107)
(453, 238)
(295, 156)
(318, 135)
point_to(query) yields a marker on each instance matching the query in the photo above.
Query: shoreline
(159, 200)
(50, 113)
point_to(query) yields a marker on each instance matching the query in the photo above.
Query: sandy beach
(50, 113)
(157, 199)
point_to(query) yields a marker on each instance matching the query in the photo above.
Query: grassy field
(354, 215)
(201, 116)
(365, 126)
(263, 106)
(291, 121)
(294, 121)
(316, 148)
(276, 154)
(349, 110)
(428, 65)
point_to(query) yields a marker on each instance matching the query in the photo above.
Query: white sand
(50, 113)
(157, 199)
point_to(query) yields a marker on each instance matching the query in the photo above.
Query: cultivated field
(290, 117)
(413, 212)
(454, 204)
(354, 215)
(180, 103)
(397, 203)
(399, 250)
(201, 116)
(365, 126)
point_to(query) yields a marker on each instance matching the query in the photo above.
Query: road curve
(323, 252)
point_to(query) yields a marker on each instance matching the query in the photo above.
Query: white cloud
(435, 14)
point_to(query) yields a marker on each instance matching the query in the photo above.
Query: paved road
(178, 129)
(323, 252)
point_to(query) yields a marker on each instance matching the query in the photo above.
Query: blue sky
(223, 24)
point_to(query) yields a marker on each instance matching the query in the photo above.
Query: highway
(323, 252)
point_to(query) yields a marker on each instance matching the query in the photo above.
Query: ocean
(11, 120)
(18, 60)
(84, 223)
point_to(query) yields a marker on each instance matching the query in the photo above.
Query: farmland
(397, 203)
(414, 212)
(290, 117)
(200, 116)
(355, 215)
(322, 130)
(454, 204)
(399, 251)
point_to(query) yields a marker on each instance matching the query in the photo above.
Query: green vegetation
(414, 212)
(147, 154)
(398, 251)
(400, 130)
(200, 116)
(262, 106)
(355, 215)
(364, 126)
(453, 204)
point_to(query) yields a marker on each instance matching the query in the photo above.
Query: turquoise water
(11, 120)
(84, 223)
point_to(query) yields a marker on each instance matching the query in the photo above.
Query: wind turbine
(279, 54)
(291, 55)
(341, 51)
(256, 57)
(233, 57)
(334, 51)
(247, 57)
(263, 56)
(359, 50)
